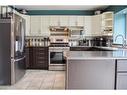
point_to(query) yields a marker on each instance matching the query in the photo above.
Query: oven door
(57, 58)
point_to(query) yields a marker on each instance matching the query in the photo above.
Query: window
(119, 27)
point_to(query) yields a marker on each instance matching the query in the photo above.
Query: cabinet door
(35, 25)
(54, 20)
(27, 57)
(90, 74)
(121, 81)
(96, 25)
(45, 25)
(122, 66)
(27, 19)
(64, 20)
(72, 20)
(31, 57)
(80, 20)
(88, 25)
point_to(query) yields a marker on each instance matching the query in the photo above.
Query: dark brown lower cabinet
(37, 58)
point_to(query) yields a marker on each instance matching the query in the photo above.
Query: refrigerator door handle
(22, 35)
(19, 59)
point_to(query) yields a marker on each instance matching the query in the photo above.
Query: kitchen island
(97, 70)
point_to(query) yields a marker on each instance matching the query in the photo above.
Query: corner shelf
(107, 23)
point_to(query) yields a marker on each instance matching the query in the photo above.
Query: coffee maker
(102, 41)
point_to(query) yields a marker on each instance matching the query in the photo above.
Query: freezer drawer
(121, 81)
(122, 65)
(20, 67)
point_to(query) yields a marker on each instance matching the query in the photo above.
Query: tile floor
(40, 80)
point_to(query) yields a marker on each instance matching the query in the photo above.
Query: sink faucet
(124, 40)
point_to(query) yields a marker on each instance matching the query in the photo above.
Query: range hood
(66, 28)
(76, 28)
(58, 28)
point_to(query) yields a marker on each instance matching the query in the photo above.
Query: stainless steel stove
(58, 56)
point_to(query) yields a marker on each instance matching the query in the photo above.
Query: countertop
(84, 55)
(101, 47)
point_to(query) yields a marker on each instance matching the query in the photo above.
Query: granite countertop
(84, 55)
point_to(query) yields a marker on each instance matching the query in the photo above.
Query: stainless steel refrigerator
(12, 57)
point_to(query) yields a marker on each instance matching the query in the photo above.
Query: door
(19, 37)
(57, 58)
(18, 58)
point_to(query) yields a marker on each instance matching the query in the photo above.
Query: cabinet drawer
(40, 53)
(40, 58)
(122, 65)
(121, 81)
(40, 62)
(40, 48)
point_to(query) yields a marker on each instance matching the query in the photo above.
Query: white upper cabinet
(80, 20)
(36, 26)
(45, 20)
(88, 25)
(92, 25)
(107, 23)
(40, 24)
(54, 20)
(76, 20)
(96, 25)
(64, 20)
(72, 20)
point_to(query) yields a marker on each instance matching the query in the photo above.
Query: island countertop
(83, 55)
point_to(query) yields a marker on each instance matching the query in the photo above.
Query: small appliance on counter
(73, 43)
(103, 41)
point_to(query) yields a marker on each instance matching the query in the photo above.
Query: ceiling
(61, 7)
